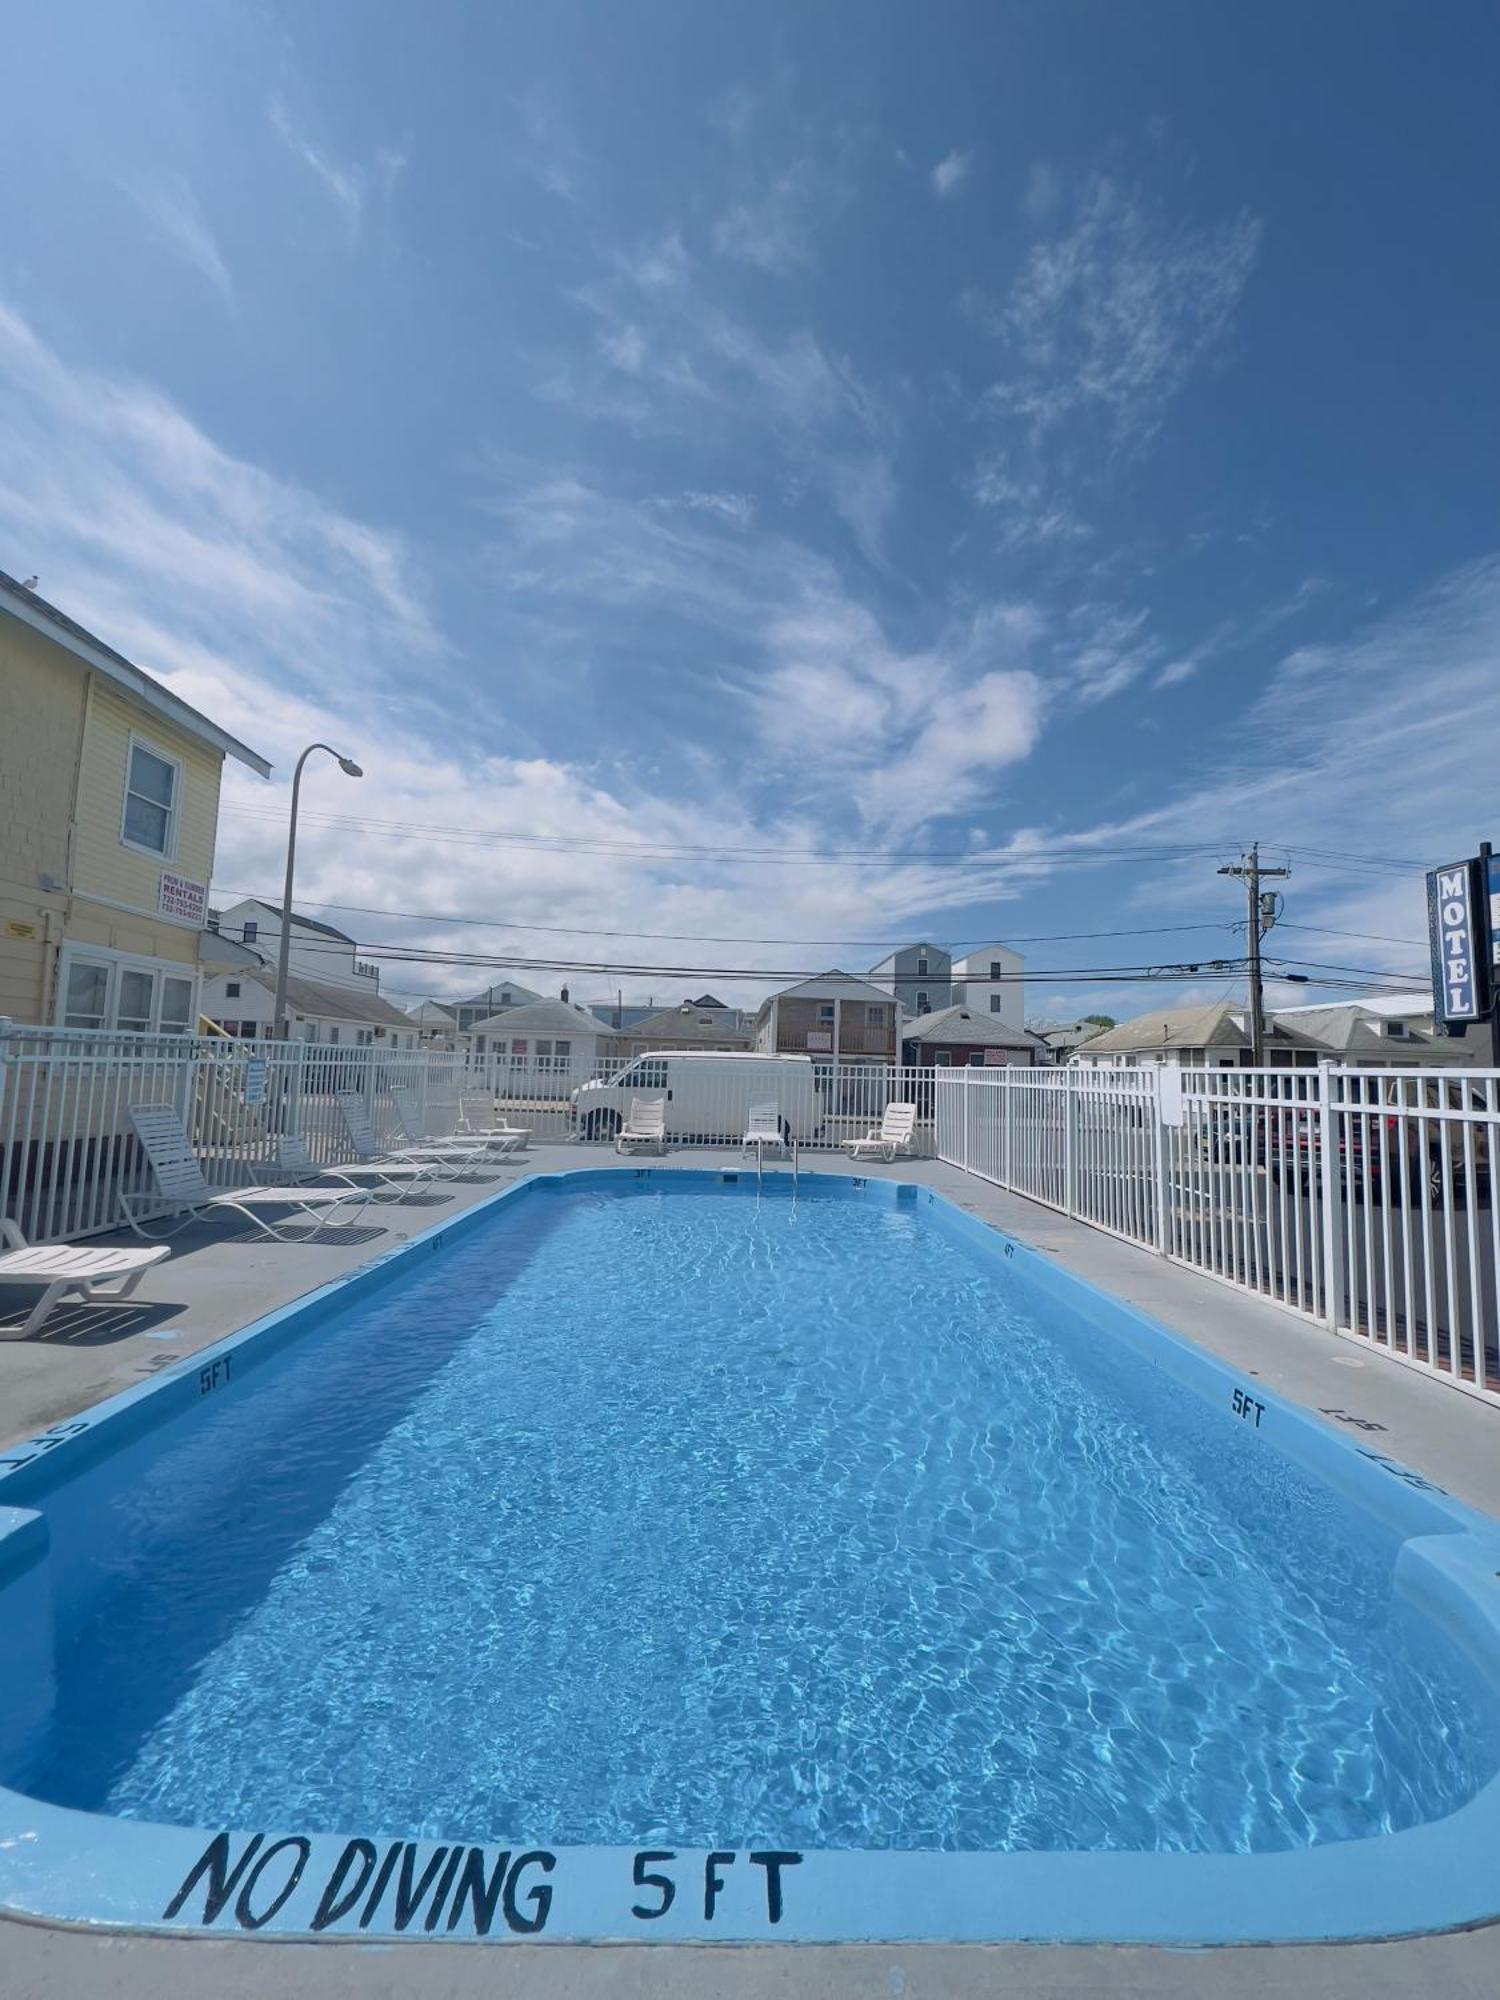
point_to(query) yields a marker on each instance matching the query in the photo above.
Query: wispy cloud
(736, 507)
(1110, 318)
(950, 173)
(176, 219)
(551, 152)
(349, 185)
(774, 228)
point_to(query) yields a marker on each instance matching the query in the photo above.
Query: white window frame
(115, 964)
(174, 811)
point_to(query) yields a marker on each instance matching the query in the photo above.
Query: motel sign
(1457, 920)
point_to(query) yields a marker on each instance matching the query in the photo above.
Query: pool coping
(93, 1870)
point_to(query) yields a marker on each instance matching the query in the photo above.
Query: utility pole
(1262, 916)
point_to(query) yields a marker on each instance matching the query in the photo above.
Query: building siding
(104, 868)
(42, 703)
(64, 745)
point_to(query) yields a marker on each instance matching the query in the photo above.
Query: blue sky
(1016, 454)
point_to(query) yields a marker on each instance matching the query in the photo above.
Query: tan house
(832, 1015)
(1203, 1037)
(697, 1024)
(109, 804)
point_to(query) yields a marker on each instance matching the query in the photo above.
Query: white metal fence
(1363, 1198)
(67, 1152)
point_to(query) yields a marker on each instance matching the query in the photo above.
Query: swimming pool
(640, 1556)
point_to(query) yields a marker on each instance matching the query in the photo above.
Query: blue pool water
(667, 1514)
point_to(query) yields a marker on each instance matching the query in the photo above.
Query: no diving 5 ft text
(396, 1886)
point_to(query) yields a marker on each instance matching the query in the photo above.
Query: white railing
(67, 1152)
(1363, 1198)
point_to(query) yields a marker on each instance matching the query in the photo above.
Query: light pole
(351, 770)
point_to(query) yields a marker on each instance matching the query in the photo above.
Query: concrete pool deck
(219, 1281)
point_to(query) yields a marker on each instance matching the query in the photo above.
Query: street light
(350, 770)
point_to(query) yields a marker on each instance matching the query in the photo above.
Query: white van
(708, 1095)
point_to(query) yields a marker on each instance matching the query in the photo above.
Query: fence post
(968, 1164)
(1328, 1158)
(1070, 1163)
(1005, 1117)
(1163, 1178)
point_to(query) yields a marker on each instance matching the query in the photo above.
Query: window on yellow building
(150, 800)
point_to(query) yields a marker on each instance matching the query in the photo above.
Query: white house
(435, 1023)
(317, 950)
(242, 1001)
(987, 980)
(547, 1037)
(333, 996)
(1387, 1030)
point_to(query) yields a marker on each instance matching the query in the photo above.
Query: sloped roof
(334, 1003)
(1210, 1027)
(887, 963)
(433, 1014)
(486, 995)
(850, 985)
(959, 1027)
(43, 617)
(542, 1017)
(299, 922)
(1219, 1025)
(683, 1026)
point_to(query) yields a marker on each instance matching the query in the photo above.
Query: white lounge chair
(180, 1181)
(893, 1135)
(473, 1109)
(434, 1160)
(763, 1130)
(64, 1270)
(646, 1125)
(469, 1145)
(380, 1177)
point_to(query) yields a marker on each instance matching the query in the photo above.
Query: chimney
(564, 996)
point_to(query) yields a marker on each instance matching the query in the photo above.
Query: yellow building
(109, 804)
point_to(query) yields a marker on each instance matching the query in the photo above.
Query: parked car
(708, 1095)
(1373, 1133)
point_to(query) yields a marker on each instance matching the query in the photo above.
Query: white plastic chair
(646, 1126)
(473, 1146)
(893, 1135)
(370, 1153)
(181, 1182)
(473, 1108)
(65, 1270)
(763, 1130)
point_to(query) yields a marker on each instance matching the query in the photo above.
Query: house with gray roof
(697, 1024)
(546, 1039)
(1211, 1036)
(957, 1037)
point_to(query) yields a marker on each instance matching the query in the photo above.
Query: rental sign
(1456, 925)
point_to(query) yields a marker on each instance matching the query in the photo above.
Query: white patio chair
(763, 1130)
(434, 1161)
(475, 1146)
(390, 1178)
(646, 1126)
(474, 1108)
(894, 1134)
(181, 1182)
(68, 1270)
